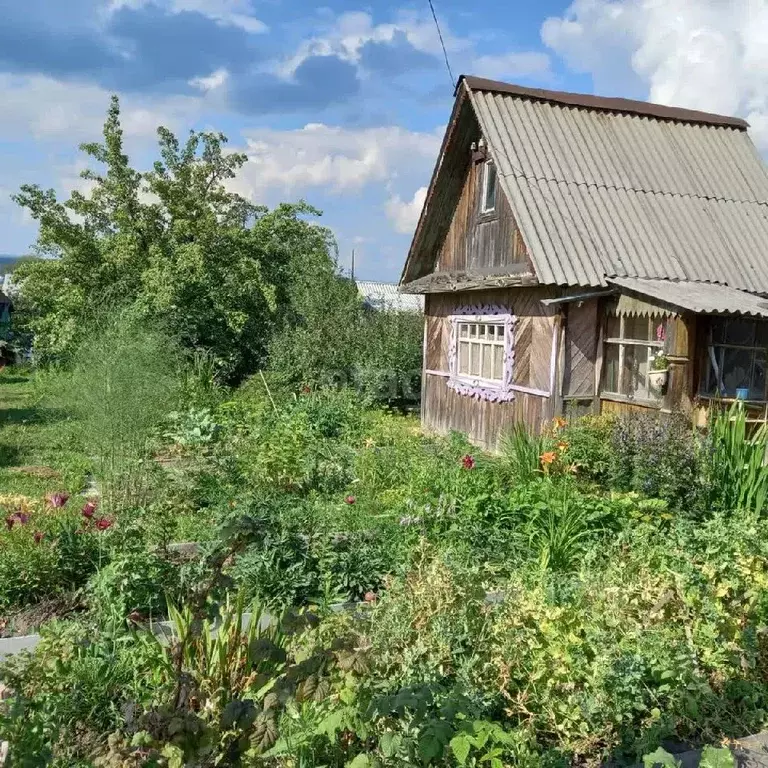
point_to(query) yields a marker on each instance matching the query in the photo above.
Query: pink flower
(39, 536)
(22, 517)
(350, 500)
(58, 500)
(468, 462)
(103, 523)
(89, 509)
(370, 597)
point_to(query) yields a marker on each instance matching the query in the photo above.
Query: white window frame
(470, 335)
(654, 347)
(486, 181)
(476, 385)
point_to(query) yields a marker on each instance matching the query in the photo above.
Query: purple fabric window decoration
(476, 386)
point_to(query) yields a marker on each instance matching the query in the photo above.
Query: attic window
(489, 187)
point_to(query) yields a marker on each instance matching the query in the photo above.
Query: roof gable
(610, 187)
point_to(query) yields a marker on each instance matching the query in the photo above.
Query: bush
(46, 553)
(136, 581)
(655, 455)
(590, 446)
(123, 382)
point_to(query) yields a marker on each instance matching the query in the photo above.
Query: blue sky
(342, 104)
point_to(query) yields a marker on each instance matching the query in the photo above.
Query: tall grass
(521, 453)
(558, 530)
(735, 462)
(124, 380)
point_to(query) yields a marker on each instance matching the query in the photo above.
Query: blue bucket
(742, 393)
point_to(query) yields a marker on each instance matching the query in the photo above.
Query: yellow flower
(562, 446)
(559, 423)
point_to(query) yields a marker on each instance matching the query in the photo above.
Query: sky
(342, 104)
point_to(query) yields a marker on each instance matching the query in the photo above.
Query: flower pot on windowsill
(658, 379)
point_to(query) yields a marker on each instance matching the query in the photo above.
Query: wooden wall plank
(581, 336)
(484, 422)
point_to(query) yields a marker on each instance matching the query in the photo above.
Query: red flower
(350, 500)
(370, 597)
(10, 521)
(58, 500)
(305, 390)
(468, 462)
(39, 535)
(89, 509)
(103, 523)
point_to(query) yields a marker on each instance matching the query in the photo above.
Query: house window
(489, 187)
(631, 344)
(482, 353)
(736, 358)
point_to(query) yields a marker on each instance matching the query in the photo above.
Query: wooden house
(569, 245)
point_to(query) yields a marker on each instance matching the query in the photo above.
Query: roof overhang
(689, 296)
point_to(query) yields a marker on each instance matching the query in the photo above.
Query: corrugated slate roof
(705, 298)
(599, 193)
(386, 296)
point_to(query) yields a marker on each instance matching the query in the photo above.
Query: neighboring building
(566, 241)
(385, 296)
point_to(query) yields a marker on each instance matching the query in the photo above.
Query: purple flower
(58, 500)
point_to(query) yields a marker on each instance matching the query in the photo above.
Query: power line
(442, 43)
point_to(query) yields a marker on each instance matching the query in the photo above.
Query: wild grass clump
(734, 462)
(123, 382)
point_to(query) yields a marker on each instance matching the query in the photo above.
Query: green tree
(172, 244)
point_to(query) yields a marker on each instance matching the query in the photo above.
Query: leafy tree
(172, 244)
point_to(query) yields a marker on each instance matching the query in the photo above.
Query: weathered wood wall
(580, 354)
(477, 240)
(484, 422)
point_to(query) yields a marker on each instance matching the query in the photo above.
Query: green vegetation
(204, 374)
(512, 609)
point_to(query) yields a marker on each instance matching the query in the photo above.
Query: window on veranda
(735, 358)
(631, 344)
(480, 351)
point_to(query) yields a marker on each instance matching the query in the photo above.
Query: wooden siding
(484, 422)
(477, 240)
(581, 338)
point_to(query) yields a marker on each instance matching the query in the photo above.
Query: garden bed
(582, 597)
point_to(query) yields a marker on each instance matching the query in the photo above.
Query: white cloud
(701, 54)
(238, 13)
(404, 214)
(40, 107)
(352, 30)
(511, 65)
(212, 82)
(337, 159)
